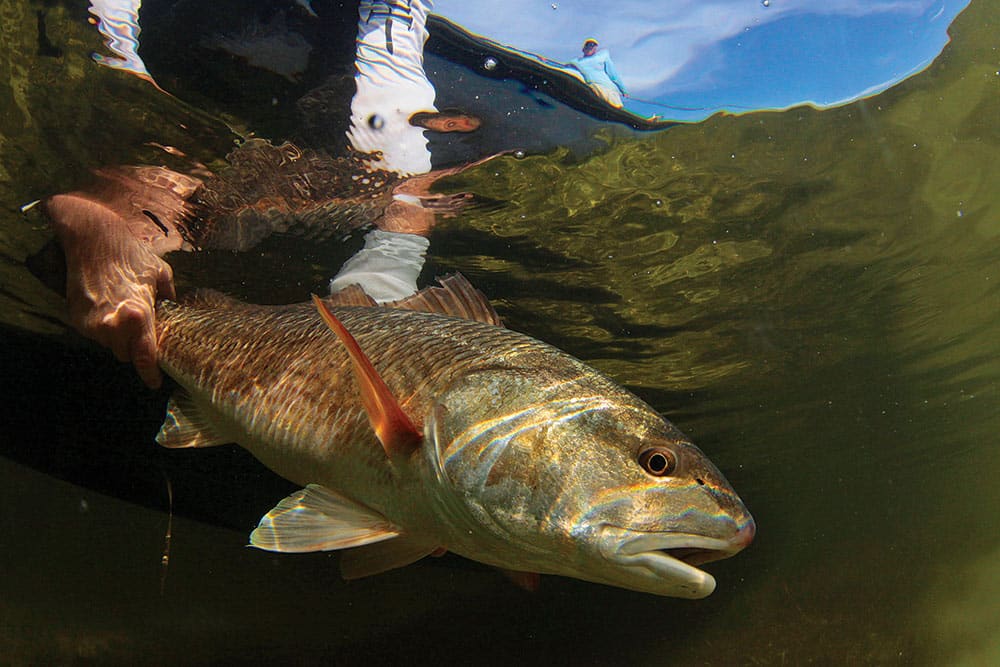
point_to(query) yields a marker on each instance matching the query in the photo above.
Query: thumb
(143, 355)
(165, 283)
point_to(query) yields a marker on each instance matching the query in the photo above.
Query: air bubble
(490, 64)
(519, 155)
(766, 3)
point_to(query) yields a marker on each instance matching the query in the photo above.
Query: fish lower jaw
(663, 563)
(661, 573)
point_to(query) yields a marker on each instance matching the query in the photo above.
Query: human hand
(414, 208)
(113, 281)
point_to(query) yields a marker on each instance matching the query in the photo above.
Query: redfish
(426, 426)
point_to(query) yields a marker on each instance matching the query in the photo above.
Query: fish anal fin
(395, 430)
(383, 556)
(319, 519)
(456, 297)
(186, 426)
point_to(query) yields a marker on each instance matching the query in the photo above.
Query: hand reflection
(115, 232)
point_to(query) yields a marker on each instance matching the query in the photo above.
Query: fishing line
(165, 558)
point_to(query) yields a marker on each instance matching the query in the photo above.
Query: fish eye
(658, 461)
(376, 122)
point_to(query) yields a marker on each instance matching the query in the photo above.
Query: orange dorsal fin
(398, 435)
(456, 297)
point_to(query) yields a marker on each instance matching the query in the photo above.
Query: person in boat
(115, 232)
(598, 71)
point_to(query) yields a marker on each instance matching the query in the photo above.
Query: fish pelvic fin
(186, 426)
(526, 581)
(319, 519)
(455, 297)
(383, 556)
(395, 430)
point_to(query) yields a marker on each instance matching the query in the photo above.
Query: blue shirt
(599, 69)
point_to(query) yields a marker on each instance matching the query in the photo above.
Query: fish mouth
(666, 563)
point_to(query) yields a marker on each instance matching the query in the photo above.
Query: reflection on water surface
(811, 295)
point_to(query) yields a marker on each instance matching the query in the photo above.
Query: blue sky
(735, 55)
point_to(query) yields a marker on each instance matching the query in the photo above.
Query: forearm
(386, 268)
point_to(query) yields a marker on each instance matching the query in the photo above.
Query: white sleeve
(386, 268)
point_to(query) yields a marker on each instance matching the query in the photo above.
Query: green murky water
(813, 296)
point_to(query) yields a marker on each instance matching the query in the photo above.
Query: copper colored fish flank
(529, 461)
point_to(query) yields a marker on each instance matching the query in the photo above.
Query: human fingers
(165, 282)
(143, 356)
(126, 324)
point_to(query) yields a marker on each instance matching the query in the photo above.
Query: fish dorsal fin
(210, 298)
(456, 297)
(352, 295)
(398, 435)
(382, 557)
(186, 426)
(319, 519)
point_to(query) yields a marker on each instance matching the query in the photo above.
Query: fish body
(522, 457)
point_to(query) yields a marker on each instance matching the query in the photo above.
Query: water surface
(811, 295)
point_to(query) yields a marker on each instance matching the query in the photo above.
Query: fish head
(562, 479)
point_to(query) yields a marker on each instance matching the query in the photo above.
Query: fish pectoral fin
(186, 426)
(395, 430)
(383, 556)
(319, 519)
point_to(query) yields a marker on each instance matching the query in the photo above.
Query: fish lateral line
(399, 437)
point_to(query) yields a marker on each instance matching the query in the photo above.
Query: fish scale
(306, 374)
(521, 456)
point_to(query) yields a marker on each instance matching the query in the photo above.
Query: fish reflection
(116, 231)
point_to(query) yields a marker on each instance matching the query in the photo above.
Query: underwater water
(812, 296)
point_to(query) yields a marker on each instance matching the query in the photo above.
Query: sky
(737, 55)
